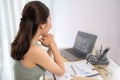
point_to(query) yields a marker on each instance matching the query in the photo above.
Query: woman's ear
(42, 26)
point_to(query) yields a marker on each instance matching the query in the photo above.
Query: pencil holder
(97, 59)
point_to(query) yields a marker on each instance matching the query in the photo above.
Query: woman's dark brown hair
(34, 13)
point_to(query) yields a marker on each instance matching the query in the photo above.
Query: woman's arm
(40, 57)
(49, 51)
(57, 57)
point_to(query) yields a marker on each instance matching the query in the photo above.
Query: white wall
(100, 17)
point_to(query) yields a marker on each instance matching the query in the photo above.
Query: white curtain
(10, 14)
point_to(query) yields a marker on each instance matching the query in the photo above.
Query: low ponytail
(22, 41)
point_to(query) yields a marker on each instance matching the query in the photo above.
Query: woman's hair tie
(22, 19)
(27, 18)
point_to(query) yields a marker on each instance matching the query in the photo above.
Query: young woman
(31, 60)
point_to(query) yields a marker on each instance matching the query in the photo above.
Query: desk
(108, 72)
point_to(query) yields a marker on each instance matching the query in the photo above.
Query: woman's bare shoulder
(35, 49)
(37, 54)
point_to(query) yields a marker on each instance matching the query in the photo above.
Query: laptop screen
(85, 42)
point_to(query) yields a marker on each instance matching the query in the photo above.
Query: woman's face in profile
(47, 26)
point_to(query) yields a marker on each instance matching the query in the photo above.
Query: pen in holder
(99, 58)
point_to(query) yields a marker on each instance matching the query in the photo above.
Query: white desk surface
(108, 72)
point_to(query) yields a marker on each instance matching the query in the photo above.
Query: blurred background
(99, 17)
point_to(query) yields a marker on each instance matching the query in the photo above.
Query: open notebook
(79, 68)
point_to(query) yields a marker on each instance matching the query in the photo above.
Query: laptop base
(70, 56)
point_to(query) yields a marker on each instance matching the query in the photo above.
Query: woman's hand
(47, 40)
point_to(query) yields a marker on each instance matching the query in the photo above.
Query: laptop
(84, 44)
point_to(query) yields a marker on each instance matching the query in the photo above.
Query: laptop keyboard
(72, 51)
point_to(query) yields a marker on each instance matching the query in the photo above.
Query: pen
(101, 49)
(93, 75)
(104, 53)
(73, 69)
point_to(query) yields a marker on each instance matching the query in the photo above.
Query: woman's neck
(36, 37)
